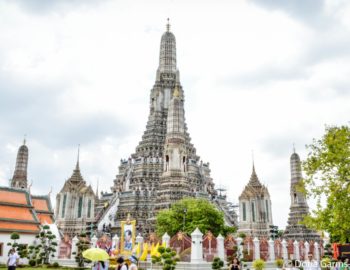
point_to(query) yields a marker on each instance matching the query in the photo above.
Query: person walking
(235, 265)
(12, 260)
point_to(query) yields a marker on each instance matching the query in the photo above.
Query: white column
(75, 241)
(94, 241)
(115, 242)
(196, 246)
(256, 248)
(239, 241)
(316, 251)
(284, 250)
(166, 239)
(307, 249)
(296, 250)
(221, 249)
(271, 250)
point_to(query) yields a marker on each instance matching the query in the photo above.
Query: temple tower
(165, 167)
(255, 208)
(299, 208)
(75, 204)
(19, 179)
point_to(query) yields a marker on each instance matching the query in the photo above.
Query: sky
(258, 75)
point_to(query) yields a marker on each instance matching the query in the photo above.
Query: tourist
(121, 265)
(235, 264)
(12, 260)
(310, 263)
(100, 265)
(133, 263)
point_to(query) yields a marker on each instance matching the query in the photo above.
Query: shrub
(217, 263)
(279, 263)
(32, 263)
(55, 264)
(259, 264)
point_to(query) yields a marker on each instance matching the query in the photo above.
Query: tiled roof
(43, 209)
(7, 195)
(45, 218)
(17, 212)
(18, 227)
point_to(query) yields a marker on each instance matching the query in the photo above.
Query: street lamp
(185, 211)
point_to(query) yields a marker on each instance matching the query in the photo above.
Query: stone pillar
(94, 241)
(307, 249)
(196, 246)
(256, 248)
(166, 239)
(271, 250)
(115, 242)
(284, 250)
(317, 251)
(75, 241)
(296, 250)
(220, 247)
(239, 241)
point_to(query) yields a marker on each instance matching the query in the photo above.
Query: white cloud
(255, 77)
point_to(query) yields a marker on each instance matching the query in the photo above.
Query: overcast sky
(257, 74)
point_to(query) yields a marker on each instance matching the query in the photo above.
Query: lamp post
(185, 211)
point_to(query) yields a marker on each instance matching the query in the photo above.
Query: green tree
(167, 258)
(217, 264)
(42, 251)
(21, 249)
(327, 169)
(189, 213)
(82, 245)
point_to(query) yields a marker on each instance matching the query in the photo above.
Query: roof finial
(294, 148)
(77, 166)
(24, 139)
(253, 160)
(168, 25)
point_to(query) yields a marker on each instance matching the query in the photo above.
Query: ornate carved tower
(255, 208)
(19, 179)
(165, 166)
(299, 207)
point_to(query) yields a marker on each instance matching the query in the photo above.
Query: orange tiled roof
(20, 227)
(9, 196)
(15, 212)
(40, 204)
(45, 218)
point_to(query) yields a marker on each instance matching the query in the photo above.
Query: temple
(165, 166)
(298, 208)
(75, 204)
(255, 208)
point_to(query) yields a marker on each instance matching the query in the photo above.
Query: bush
(32, 263)
(259, 264)
(217, 263)
(279, 263)
(55, 264)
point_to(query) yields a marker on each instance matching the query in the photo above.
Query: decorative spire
(19, 179)
(77, 165)
(293, 147)
(168, 25)
(167, 55)
(24, 139)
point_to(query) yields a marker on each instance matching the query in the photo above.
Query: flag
(155, 251)
(138, 250)
(144, 253)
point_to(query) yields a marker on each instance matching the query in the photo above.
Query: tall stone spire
(76, 176)
(19, 179)
(165, 166)
(167, 55)
(299, 208)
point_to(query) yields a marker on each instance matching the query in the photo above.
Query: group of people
(122, 264)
